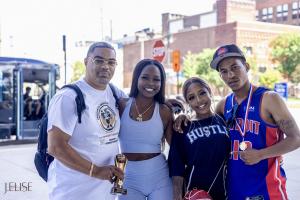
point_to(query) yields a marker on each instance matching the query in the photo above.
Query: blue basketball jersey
(266, 178)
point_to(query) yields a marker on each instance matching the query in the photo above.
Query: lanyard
(243, 132)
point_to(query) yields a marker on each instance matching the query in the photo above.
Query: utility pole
(101, 21)
(111, 31)
(65, 57)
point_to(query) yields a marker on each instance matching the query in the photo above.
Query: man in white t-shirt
(84, 152)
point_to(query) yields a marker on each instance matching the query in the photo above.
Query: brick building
(247, 23)
(278, 11)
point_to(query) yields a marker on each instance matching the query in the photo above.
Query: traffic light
(176, 60)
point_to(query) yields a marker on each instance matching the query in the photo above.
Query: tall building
(249, 24)
(278, 11)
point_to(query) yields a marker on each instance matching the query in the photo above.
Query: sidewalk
(13, 141)
(17, 168)
(293, 104)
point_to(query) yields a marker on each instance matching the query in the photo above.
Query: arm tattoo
(286, 125)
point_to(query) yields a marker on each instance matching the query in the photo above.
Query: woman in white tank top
(145, 124)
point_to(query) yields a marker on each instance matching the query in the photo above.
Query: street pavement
(17, 167)
(17, 172)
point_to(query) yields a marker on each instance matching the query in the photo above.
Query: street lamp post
(65, 57)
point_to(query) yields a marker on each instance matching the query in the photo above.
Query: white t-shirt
(95, 139)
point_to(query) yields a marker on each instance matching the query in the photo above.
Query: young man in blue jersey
(254, 167)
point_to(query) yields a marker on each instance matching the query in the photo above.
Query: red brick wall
(258, 35)
(254, 34)
(251, 34)
(225, 34)
(193, 41)
(240, 10)
(132, 55)
(221, 6)
(260, 4)
(235, 10)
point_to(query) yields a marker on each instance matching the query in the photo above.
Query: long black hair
(160, 96)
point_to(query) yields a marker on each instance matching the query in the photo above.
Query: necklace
(140, 115)
(243, 145)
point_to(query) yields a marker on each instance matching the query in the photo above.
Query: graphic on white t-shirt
(106, 117)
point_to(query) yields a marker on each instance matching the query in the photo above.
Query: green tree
(199, 65)
(189, 65)
(78, 70)
(269, 78)
(216, 82)
(254, 73)
(286, 52)
(296, 75)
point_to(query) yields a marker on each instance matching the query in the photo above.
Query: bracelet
(91, 170)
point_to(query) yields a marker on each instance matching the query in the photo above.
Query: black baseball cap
(229, 50)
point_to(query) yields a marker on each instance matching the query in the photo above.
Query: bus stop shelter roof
(22, 60)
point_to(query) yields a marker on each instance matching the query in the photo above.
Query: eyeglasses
(102, 61)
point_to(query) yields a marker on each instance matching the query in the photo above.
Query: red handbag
(196, 194)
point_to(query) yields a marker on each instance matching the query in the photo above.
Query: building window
(270, 13)
(279, 12)
(295, 10)
(285, 10)
(282, 12)
(257, 15)
(264, 14)
(267, 14)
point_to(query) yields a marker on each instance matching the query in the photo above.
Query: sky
(34, 28)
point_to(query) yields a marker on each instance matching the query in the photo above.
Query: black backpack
(42, 159)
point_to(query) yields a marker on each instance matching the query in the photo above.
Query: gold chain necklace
(140, 115)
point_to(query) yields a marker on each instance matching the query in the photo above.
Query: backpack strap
(42, 138)
(80, 104)
(113, 89)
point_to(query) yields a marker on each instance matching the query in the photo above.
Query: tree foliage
(253, 73)
(296, 75)
(190, 66)
(78, 70)
(269, 78)
(286, 52)
(199, 65)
